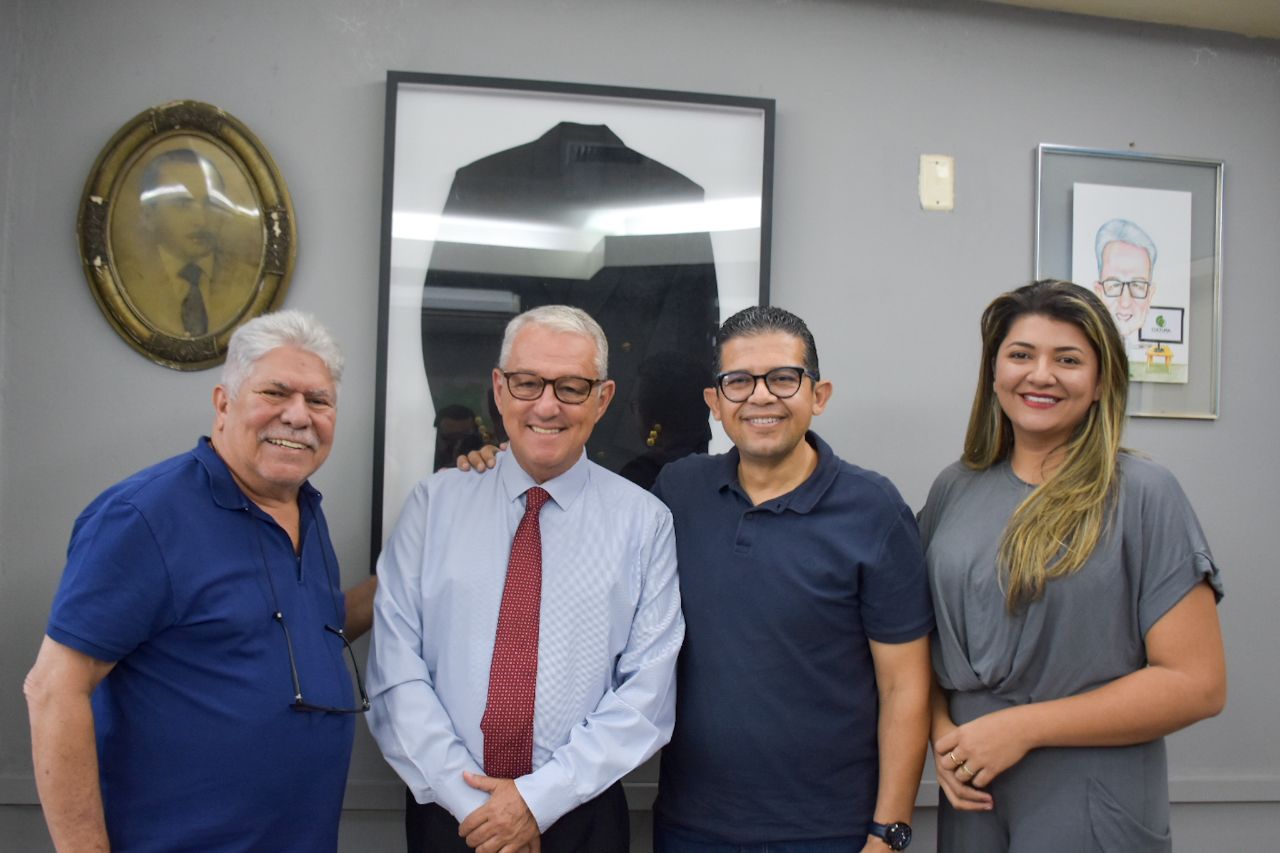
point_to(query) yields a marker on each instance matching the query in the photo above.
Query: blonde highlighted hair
(1054, 530)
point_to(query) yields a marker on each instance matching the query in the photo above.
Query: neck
(764, 479)
(281, 504)
(1036, 463)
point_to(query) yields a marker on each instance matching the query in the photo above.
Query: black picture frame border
(398, 79)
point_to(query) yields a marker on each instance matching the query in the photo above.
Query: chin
(772, 450)
(537, 464)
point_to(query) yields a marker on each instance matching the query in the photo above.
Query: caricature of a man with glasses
(1126, 257)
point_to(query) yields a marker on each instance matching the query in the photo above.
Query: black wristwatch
(896, 835)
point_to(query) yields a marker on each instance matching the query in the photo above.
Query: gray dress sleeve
(1088, 628)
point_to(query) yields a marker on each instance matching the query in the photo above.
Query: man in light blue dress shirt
(610, 623)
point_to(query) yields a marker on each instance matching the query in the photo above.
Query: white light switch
(937, 182)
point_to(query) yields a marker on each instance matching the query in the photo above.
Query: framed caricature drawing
(1143, 232)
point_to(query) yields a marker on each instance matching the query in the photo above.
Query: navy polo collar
(801, 499)
(222, 486)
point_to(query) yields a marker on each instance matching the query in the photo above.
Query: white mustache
(305, 436)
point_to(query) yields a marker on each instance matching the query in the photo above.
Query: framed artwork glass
(648, 209)
(186, 230)
(1144, 232)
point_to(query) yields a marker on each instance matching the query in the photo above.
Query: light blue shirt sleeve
(611, 631)
(406, 718)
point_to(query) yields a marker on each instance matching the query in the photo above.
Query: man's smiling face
(547, 436)
(764, 428)
(1126, 262)
(278, 428)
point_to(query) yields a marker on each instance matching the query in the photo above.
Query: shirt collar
(727, 476)
(563, 489)
(222, 485)
(802, 498)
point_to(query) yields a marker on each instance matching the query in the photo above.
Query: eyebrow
(1030, 345)
(306, 392)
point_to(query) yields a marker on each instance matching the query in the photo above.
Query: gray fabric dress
(1086, 631)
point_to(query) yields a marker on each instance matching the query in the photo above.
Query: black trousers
(601, 825)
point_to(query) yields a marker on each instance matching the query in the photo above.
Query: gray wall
(893, 294)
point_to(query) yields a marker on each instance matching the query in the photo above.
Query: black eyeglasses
(1113, 287)
(573, 390)
(783, 382)
(300, 704)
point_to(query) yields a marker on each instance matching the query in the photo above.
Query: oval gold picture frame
(186, 230)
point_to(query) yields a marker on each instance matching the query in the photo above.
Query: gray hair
(1122, 231)
(262, 334)
(559, 318)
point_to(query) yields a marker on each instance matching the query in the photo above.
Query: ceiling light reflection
(738, 214)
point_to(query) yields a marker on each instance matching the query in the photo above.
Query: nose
(761, 393)
(547, 405)
(1042, 371)
(1126, 296)
(196, 213)
(295, 412)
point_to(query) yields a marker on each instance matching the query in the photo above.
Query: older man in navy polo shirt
(802, 694)
(191, 692)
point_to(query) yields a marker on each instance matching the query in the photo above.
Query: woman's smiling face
(1046, 378)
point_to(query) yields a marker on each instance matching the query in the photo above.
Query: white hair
(1122, 231)
(262, 334)
(559, 318)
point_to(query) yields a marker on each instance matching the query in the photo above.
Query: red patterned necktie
(507, 723)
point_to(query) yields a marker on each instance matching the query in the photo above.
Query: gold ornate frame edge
(213, 124)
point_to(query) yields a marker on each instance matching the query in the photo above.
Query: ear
(1097, 288)
(220, 403)
(821, 394)
(606, 392)
(712, 399)
(499, 387)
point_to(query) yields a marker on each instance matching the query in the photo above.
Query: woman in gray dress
(1075, 598)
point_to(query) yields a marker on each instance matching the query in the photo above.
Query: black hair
(762, 319)
(151, 174)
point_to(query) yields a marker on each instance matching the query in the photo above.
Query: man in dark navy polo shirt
(191, 692)
(803, 684)
(802, 692)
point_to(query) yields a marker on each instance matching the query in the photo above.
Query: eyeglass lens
(1137, 287)
(782, 382)
(568, 389)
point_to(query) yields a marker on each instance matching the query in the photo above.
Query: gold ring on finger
(952, 755)
(965, 767)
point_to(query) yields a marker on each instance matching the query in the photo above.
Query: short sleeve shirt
(776, 700)
(1089, 627)
(174, 576)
